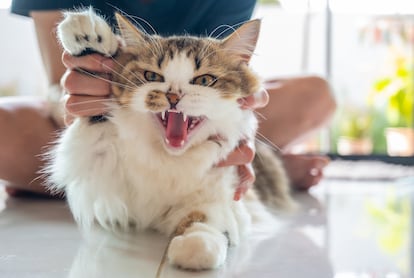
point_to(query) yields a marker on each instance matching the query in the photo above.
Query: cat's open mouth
(178, 127)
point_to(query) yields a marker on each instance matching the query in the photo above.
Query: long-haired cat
(150, 163)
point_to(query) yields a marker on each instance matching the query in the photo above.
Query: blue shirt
(167, 17)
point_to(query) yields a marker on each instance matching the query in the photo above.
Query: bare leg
(25, 132)
(297, 108)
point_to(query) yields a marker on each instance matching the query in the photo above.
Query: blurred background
(365, 49)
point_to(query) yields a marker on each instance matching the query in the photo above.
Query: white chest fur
(118, 172)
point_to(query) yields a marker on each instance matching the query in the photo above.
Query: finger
(257, 100)
(247, 178)
(12, 191)
(68, 119)
(75, 82)
(243, 154)
(92, 62)
(82, 106)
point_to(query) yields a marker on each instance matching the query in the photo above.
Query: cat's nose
(173, 99)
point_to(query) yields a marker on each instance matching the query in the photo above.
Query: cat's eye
(204, 80)
(153, 76)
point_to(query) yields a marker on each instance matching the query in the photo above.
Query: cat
(150, 163)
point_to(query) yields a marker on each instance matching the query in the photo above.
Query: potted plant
(396, 90)
(354, 132)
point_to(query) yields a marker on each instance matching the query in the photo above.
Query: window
(366, 50)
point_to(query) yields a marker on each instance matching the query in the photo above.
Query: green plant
(398, 88)
(355, 123)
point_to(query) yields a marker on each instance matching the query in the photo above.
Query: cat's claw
(85, 32)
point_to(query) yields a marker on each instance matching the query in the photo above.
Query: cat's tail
(272, 183)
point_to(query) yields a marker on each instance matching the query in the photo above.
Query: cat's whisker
(260, 115)
(121, 75)
(106, 79)
(157, 44)
(154, 32)
(247, 52)
(226, 29)
(138, 24)
(93, 101)
(158, 47)
(135, 18)
(129, 71)
(222, 75)
(87, 111)
(39, 177)
(267, 142)
(204, 50)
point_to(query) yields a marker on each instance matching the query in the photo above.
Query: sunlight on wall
(21, 49)
(5, 4)
(351, 6)
(373, 6)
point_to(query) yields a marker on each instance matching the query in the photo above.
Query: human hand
(87, 84)
(243, 155)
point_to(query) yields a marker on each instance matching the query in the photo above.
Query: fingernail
(314, 172)
(237, 196)
(240, 191)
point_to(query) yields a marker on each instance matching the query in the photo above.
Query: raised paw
(199, 248)
(84, 32)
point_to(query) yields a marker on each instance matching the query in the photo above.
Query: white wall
(19, 55)
(279, 51)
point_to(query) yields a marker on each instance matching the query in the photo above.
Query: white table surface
(345, 228)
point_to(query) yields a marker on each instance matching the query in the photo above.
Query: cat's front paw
(199, 248)
(84, 32)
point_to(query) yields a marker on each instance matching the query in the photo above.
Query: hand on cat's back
(87, 86)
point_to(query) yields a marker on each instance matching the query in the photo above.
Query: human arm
(62, 68)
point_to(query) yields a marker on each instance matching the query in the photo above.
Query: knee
(23, 129)
(320, 100)
(8, 141)
(5, 120)
(321, 91)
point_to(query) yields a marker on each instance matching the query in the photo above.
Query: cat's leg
(85, 165)
(85, 32)
(203, 244)
(200, 247)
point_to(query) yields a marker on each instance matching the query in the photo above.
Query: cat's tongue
(176, 130)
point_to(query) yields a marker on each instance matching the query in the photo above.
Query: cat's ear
(242, 42)
(130, 34)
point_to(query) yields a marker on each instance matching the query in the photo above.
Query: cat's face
(188, 85)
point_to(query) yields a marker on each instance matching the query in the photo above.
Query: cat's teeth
(184, 117)
(163, 115)
(181, 143)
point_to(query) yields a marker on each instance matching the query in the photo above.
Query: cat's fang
(163, 115)
(168, 142)
(184, 117)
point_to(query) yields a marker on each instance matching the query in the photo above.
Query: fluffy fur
(134, 171)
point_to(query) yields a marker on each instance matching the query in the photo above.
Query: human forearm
(45, 23)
